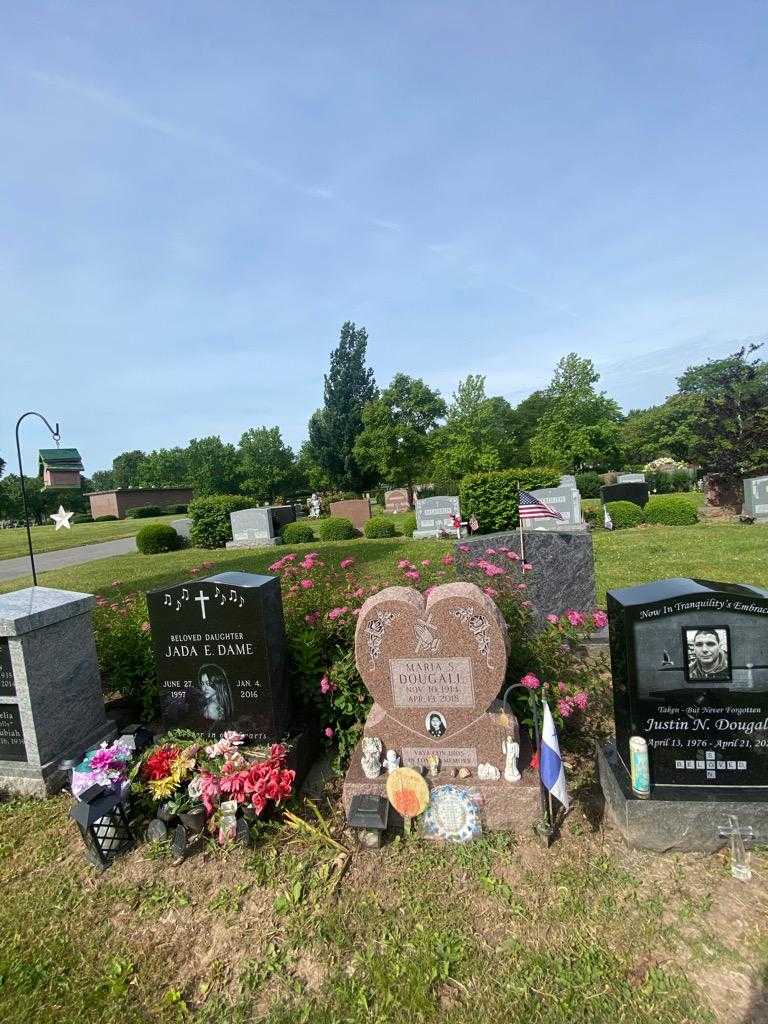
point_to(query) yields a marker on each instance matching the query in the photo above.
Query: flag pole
(520, 527)
(545, 797)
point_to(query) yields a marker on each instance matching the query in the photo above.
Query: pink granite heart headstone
(433, 667)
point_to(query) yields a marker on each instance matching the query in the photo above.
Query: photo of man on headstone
(707, 652)
(435, 724)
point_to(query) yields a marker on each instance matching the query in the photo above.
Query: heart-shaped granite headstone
(433, 666)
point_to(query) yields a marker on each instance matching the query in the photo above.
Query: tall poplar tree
(333, 430)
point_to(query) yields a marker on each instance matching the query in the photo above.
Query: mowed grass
(47, 538)
(588, 932)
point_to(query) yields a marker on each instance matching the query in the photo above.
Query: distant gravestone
(183, 527)
(689, 663)
(564, 499)
(259, 527)
(630, 478)
(219, 647)
(397, 500)
(756, 498)
(637, 493)
(357, 510)
(51, 703)
(435, 515)
(434, 667)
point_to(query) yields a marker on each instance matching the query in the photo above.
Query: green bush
(298, 533)
(124, 649)
(105, 519)
(211, 527)
(174, 510)
(407, 521)
(143, 512)
(156, 538)
(379, 526)
(592, 512)
(335, 528)
(81, 517)
(588, 484)
(492, 497)
(624, 514)
(671, 510)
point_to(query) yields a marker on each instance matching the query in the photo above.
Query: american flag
(534, 508)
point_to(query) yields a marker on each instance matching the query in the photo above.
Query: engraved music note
(223, 600)
(184, 594)
(216, 592)
(178, 604)
(232, 594)
(167, 602)
(242, 601)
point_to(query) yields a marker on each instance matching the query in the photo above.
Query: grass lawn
(47, 538)
(298, 930)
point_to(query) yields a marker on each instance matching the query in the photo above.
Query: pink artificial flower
(325, 685)
(513, 556)
(490, 592)
(565, 707)
(447, 559)
(306, 584)
(328, 732)
(575, 618)
(464, 548)
(530, 681)
(581, 700)
(346, 562)
(600, 619)
(554, 619)
(311, 618)
(413, 574)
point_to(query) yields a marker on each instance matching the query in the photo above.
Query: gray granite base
(433, 534)
(258, 542)
(563, 574)
(672, 825)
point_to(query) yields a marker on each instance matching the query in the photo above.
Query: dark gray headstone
(219, 646)
(563, 574)
(689, 661)
(637, 493)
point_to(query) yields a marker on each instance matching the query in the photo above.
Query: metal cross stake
(739, 860)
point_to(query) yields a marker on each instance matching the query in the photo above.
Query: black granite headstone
(219, 646)
(12, 746)
(635, 492)
(7, 685)
(689, 661)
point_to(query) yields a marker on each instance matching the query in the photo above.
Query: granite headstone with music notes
(219, 646)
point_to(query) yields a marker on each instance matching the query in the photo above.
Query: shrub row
(379, 526)
(662, 509)
(492, 497)
(298, 533)
(335, 528)
(210, 518)
(156, 538)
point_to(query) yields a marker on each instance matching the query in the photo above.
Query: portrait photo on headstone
(708, 653)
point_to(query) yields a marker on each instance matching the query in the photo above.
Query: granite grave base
(563, 574)
(672, 825)
(505, 806)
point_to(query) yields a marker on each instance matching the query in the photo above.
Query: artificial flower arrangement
(106, 766)
(206, 785)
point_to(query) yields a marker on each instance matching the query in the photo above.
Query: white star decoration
(61, 518)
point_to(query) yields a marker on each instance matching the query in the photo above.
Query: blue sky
(194, 196)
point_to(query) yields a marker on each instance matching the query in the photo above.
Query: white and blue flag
(550, 763)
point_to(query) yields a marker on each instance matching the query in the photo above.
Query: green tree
(310, 476)
(39, 502)
(333, 430)
(731, 427)
(478, 433)
(526, 418)
(126, 469)
(395, 443)
(212, 466)
(165, 467)
(667, 429)
(267, 463)
(580, 429)
(102, 480)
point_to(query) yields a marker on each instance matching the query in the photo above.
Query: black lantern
(103, 824)
(369, 814)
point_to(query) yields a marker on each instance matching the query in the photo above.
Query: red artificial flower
(158, 765)
(535, 759)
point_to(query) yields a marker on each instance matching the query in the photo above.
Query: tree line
(365, 437)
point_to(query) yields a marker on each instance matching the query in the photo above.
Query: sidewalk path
(13, 567)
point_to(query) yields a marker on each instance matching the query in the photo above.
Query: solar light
(369, 815)
(103, 824)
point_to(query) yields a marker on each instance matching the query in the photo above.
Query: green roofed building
(60, 467)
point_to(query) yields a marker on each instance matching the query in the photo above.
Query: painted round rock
(452, 815)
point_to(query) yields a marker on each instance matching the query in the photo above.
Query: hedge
(81, 517)
(143, 512)
(335, 528)
(210, 518)
(407, 521)
(105, 519)
(588, 484)
(297, 533)
(379, 526)
(156, 538)
(492, 497)
(624, 514)
(671, 510)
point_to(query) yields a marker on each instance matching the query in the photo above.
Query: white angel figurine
(511, 748)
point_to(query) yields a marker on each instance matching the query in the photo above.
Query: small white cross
(202, 599)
